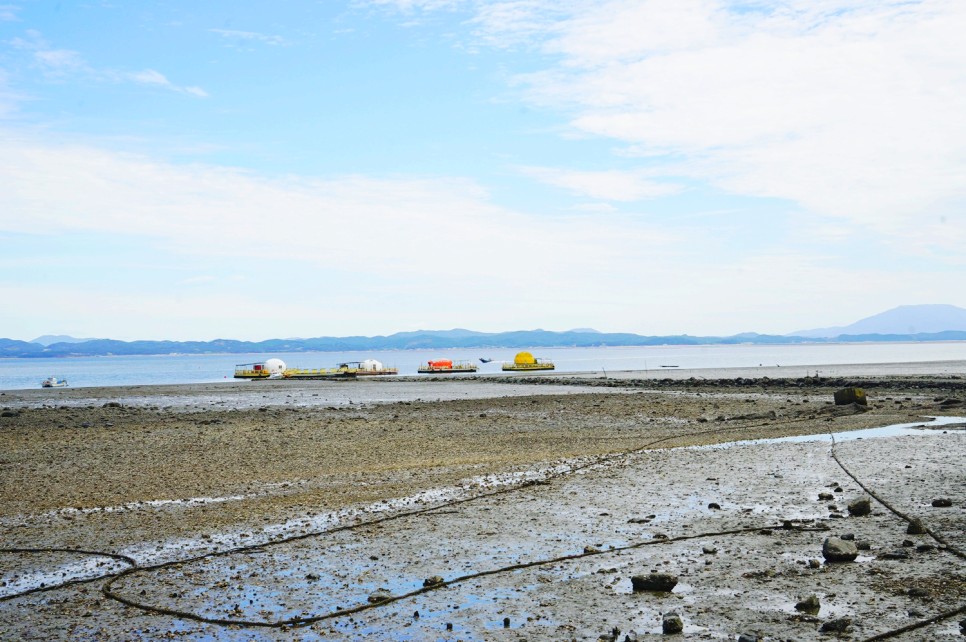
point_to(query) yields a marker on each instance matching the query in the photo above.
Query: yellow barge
(526, 362)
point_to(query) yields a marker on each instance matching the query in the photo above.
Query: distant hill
(431, 340)
(50, 339)
(903, 320)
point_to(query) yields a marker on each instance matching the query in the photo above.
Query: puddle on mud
(894, 430)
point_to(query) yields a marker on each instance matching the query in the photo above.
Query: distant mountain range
(905, 323)
(905, 319)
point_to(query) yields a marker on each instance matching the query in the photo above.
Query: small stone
(918, 591)
(860, 507)
(916, 528)
(672, 623)
(813, 563)
(942, 502)
(433, 581)
(897, 554)
(714, 506)
(810, 604)
(709, 550)
(835, 549)
(825, 497)
(506, 623)
(312, 577)
(863, 545)
(748, 637)
(848, 537)
(925, 548)
(591, 549)
(908, 543)
(659, 582)
(840, 625)
(380, 595)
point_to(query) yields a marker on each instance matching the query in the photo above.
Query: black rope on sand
(130, 561)
(910, 520)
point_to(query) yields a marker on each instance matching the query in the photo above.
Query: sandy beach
(487, 508)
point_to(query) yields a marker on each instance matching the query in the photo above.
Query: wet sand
(537, 471)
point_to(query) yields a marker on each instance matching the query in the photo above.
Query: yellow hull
(527, 367)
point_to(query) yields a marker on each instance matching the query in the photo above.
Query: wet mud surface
(502, 511)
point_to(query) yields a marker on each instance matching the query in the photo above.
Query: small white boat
(53, 382)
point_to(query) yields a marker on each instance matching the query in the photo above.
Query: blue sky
(184, 170)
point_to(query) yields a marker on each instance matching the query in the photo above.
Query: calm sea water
(171, 369)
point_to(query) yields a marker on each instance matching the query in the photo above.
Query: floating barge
(269, 369)
(276, 369)
(446, 366)
(526, 362)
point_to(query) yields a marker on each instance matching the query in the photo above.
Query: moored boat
(526, 362)
(446, 366)
(53, 382)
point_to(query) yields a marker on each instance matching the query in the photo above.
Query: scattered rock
(897, 554)
(435, 580)
(659, 582)
(860, 507)
(591, 549)
(313, 577)
(942, 502)
(112, 404)
(840, 625)
(810, 604)
(847, 396)
(380, 595)
(709, 550)
(748, 637)
(714, 506)
(825, 497)
(836, 549)
(916, 528)
(918, 591)
(813, 563)
(672, 623)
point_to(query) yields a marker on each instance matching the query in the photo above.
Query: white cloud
(855, 114)
(850, 108)
(611, 185)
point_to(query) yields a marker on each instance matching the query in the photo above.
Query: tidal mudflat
(485, 509)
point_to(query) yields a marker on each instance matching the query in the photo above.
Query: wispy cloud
(157, 79)
(235, 35)
(8, 12)
(63, 63)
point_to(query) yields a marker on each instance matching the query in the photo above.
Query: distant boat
(484, 360)
(53, 382)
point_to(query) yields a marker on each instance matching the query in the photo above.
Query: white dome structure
(275, 365)
(370, 365)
